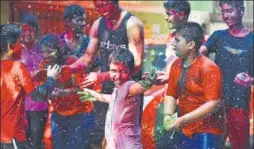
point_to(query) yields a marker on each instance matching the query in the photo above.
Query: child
(71, 120)
(196, 82)
(233, 49)
(122, 128)
(16, 82)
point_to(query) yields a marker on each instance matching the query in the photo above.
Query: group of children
(200, 100)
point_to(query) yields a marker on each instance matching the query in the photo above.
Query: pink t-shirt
(122, 128)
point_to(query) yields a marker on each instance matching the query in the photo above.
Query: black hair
(32, 21)
(113, 1)
(10, 33)
(179, 5)
(53, 41)
(239, 4)
(73, 10)
(191, 31)
(122, 56)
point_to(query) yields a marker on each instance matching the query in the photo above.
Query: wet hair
(239, 4)
(53, 41)
(32, 21)
(191, 31)
(122, 56)
(10, 33)
(179, 5)
(73, 10)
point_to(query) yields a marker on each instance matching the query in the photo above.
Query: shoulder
(208, 65)
(134, 21)
(220, 33)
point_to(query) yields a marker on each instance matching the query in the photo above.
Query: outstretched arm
(91, 95)
(91, 51)
(142, 85)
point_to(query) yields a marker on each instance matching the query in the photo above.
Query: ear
(192, 45)
(182, 15)
(9, 50)
(67, 22)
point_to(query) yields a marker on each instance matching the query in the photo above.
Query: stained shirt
(122, 128)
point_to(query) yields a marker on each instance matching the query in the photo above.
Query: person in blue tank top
(234, 55)
(116, 28)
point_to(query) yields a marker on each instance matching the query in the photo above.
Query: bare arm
(91, 51)
(169, 105)
(98, 96)
(135, 32)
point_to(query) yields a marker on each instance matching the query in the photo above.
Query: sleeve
(212, 89)
(211, 43)
(39, 93)
(172, 82)
(25, 79)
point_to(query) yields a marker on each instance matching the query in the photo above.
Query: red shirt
(69, 105)
(16, 82)
(203, 82)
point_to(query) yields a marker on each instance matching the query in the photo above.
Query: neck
(29, 45)
(6, 57)
(190, 59)
(114, 18)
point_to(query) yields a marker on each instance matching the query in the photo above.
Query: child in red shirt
(16, 82)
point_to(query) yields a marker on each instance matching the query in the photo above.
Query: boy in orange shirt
(16, 82)
(196, 82)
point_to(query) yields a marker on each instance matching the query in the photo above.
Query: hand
(162, 77)
(149, 81)
(54, 71)
(86, 95)
(175, 125)
(168, 121)
(243, 79)
(89, 80)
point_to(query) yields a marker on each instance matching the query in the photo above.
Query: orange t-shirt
(202, 82)
(16, 82)
(69, 105)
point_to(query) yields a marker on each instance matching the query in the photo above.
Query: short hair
(191, 31)
(32, 21)
(73, 10)
(122, 56)
(235, 3)
(10, 33)
(180, 5)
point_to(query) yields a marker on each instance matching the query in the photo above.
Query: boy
(200, 122)
(122, 128)
(16, 82)
(233, 49)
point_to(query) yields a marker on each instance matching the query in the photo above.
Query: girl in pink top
(122, 128)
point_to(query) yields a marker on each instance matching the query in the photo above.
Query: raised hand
(89, 80)
(54, 71)
(150, 80)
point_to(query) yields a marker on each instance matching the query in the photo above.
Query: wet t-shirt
(233, 55)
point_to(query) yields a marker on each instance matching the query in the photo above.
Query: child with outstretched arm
(122, 128)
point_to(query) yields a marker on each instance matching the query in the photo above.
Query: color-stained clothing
(122, 128)
(16, 82)
(32, 58)
(233, 55)
(193, 87)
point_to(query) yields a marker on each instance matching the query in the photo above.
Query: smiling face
(106, 8)
(119, 73)
(49, 54)
(173, 18)
(231, 15)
